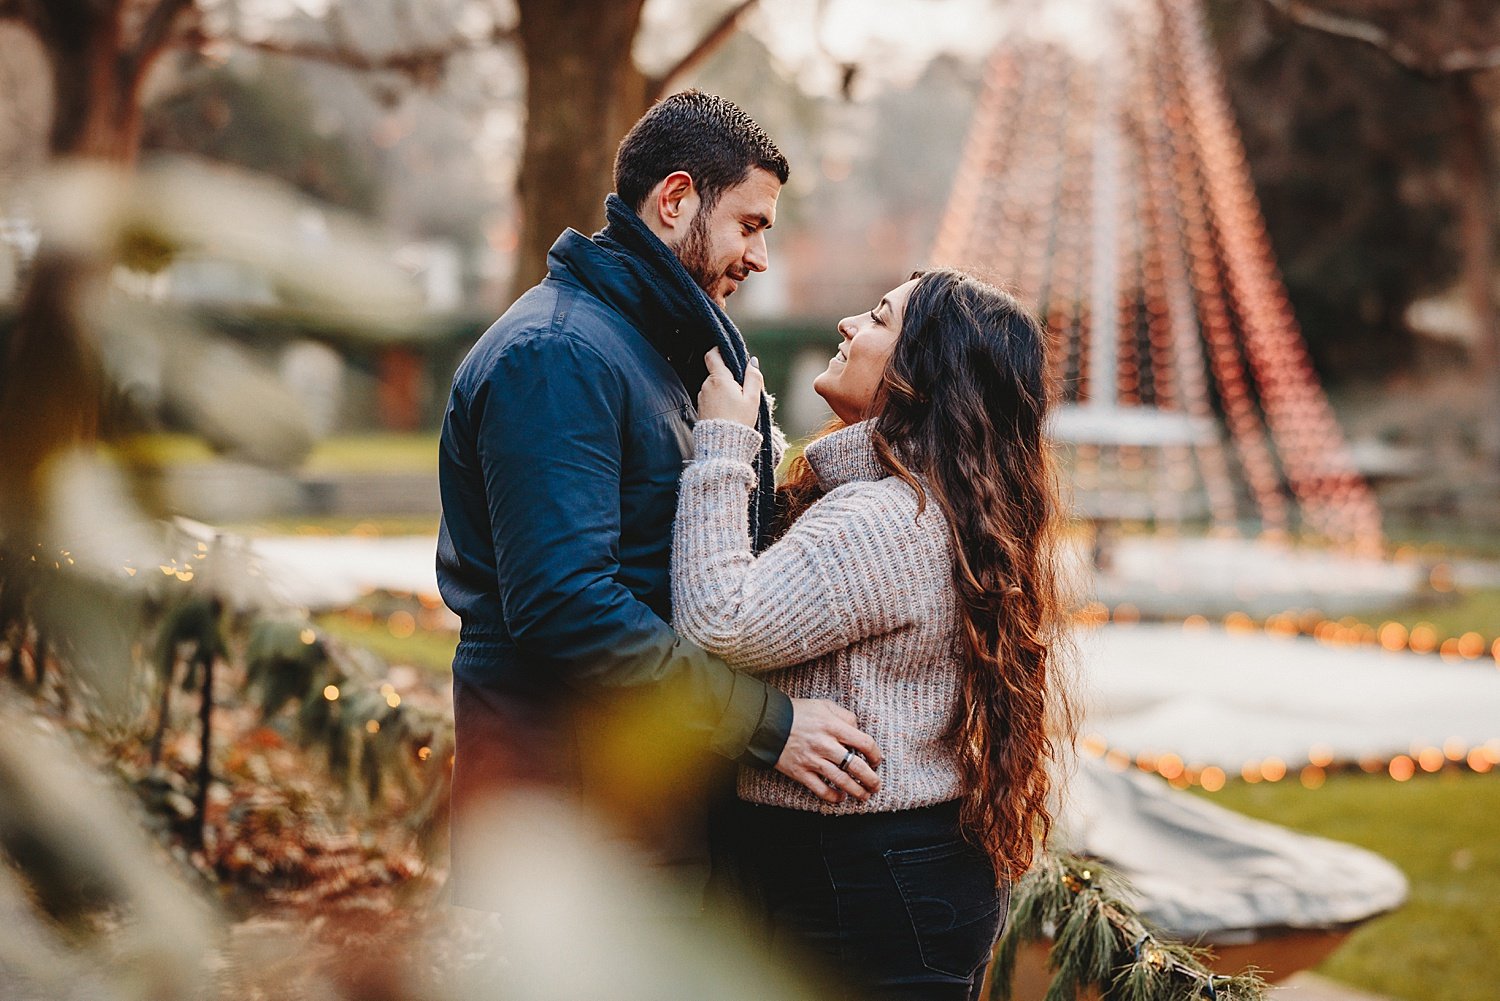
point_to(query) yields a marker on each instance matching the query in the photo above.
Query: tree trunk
(1477, 172)
(51, 385)
(583, 92)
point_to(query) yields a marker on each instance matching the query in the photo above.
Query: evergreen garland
(1100, 941)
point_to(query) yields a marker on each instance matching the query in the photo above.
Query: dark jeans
(895, 905)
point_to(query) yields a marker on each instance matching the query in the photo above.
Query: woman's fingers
(755, 382)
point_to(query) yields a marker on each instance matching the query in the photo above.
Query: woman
(914, 584)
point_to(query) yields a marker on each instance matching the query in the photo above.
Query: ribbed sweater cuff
(721, 439)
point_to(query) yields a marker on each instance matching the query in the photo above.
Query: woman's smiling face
(852, 380)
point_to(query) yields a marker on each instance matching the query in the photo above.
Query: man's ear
(671, 206)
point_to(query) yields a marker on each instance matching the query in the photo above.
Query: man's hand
(822, 736)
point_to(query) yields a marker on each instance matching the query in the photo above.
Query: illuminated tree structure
(1104, 179)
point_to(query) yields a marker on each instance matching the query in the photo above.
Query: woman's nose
(846, 328)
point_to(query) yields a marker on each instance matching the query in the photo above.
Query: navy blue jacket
(562, 446)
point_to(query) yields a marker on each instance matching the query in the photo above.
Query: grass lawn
(1452, 615)
(384, 525)
(1443, 832)
(431, 652)
(362, 453)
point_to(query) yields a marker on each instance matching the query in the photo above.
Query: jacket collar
(845, 456)
(578, 260)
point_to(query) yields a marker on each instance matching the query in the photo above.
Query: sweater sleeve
(832, 580)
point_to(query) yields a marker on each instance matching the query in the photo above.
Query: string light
(1422, 638)
(1312, 774)
(1116, 190)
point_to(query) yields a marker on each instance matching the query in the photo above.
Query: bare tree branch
(156, 33)
(716, 36)
(1461, 60)
(26, 11)
(422, 64)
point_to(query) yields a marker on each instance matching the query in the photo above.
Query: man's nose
(757, 257)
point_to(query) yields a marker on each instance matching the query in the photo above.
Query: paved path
(1311, 987)
(1217, 698)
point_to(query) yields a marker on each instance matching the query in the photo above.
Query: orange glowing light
(1479, 761)
(1197, 622)
(331, 693)
(1455, 749)
(1127, 614)
(401, 624)
(1423, 638)
(1313, 777)
(1431, 759)
(1471, 646)
(1402, 768)
(1393, 636)
(1281, 625)
(1239, 622)
(1212, 779)
(1170, 766)
(1274, 769)
(1320, 755)
(1250, 772)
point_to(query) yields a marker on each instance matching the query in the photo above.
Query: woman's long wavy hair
(960, 418)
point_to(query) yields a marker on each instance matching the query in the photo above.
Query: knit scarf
(697, 325)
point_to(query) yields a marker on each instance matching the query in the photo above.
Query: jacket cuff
(770, 737)
(720, 439)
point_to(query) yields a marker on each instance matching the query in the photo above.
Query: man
(564, 438)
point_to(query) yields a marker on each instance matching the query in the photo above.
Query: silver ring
(848, 756)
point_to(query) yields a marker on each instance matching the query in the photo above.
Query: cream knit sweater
(855, 603)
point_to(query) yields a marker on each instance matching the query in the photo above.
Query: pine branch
(1459, 60)
(1100, 941)
(713, 38)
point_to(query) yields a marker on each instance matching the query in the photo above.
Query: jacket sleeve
(824, 585)
(549, 437)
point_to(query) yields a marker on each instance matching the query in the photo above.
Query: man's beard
(693, 252)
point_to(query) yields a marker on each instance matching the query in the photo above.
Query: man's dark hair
(703, 134)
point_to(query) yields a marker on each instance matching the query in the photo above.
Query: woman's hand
(722, 398)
